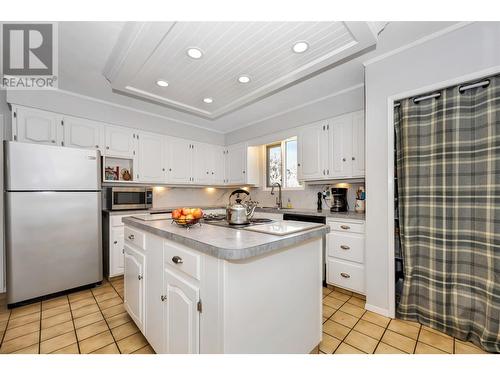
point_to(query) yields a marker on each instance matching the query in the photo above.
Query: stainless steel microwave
(128, 198)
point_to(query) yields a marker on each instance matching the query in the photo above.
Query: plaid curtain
(448, 170)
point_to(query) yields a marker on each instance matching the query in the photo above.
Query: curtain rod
(461, 89)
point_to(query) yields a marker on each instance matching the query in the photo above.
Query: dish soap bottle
(289, 204)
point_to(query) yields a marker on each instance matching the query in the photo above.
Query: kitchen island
(211, 289)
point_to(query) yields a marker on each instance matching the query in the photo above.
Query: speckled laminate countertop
(222, 242)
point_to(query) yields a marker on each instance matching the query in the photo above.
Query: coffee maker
(339, 200)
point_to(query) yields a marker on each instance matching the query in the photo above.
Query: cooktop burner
(220, 220)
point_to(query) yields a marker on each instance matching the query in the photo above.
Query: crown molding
(417, 42)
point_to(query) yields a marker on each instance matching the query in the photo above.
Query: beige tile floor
(88, 321)
(95, 321)
(350, 329)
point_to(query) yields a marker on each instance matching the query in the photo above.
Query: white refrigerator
(53, 219)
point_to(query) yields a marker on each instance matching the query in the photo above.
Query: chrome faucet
(279, 203)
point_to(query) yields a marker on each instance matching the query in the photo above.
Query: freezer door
(40, 167)
(53, 242)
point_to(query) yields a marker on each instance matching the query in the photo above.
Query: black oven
(128, 198)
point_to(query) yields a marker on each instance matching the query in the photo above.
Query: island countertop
(224, 243)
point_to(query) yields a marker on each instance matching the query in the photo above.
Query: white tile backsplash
(187, 196)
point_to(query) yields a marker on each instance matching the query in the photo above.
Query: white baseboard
(378, 310)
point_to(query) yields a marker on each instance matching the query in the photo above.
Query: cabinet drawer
(347, 226)
(348, 246)
(182, 259)
(346, 275)
(135, 237)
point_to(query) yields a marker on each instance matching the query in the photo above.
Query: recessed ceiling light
(195, 53)
(162, 83)
(300, 47)
(243, 79)
(208, 100)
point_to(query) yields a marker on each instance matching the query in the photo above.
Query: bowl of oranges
(187, 217)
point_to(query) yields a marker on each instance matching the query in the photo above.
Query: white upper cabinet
(218, 162)
(150, 157)
(341, 136)
(236, 163)
(120, 141)
(313, 141)
(36, 126)
(203, 156)
(82, 133)
(182, 318)
(333, 149)
(358, 144)
(179, 161)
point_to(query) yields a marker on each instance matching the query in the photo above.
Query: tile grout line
(40, 330)
(380, 340)
(105, 320)
(74, 326)
(417, 339)
(5, 332)
(126, 323)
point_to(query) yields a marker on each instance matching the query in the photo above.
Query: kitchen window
(281, 163)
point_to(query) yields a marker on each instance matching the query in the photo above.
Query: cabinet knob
(207, 172)
(345, 227)
(163, 169)
(115, 242)
(344, 247)
(170, 169)
(131, 237)
(353, 158)
(327, 171)
(298, 164)
(53, 141)
(96, 146)
(107, 147)
(343, 159)
(139, 277)
(345, 275)
(243, 172)
(177, 259)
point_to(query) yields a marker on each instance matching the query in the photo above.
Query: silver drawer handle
(139, 277)
(177, 259)
(345, 227)
(345, 275)
(344, 247)
(131, 237)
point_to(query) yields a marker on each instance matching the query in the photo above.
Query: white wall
(82, 106)
(346, 101)
(452, 58)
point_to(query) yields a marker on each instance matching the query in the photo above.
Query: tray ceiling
(263, 51)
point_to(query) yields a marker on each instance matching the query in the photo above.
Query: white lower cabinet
(190, 302)
(181, 315)
(134, 300)
(345, 255)
(116, 253)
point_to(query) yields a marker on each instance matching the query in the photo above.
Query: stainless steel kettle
(240, 212)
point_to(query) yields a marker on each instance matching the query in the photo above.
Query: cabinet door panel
(218, 165)
(358, 145)
(83, 133)
(341, 135)
(236, 159)
(134, 285)
(154, 291)
(37, 126)
(181, 315)
(150, 158)
(313, 152)
(120, 141)
(117, 251)
(179, 161)
(202, 163)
